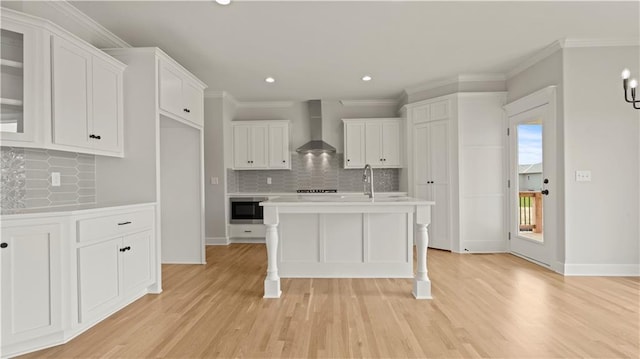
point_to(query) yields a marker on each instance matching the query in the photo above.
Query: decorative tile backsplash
(311, 171)
(26, 178)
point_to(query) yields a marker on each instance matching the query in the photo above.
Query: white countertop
(345, 200)
(69, 210)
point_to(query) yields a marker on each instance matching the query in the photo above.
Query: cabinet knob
(186, 110)
(124, 223)
(122, 249)
(283, 161)
(4, 245)
(127, 248)
(97, 137)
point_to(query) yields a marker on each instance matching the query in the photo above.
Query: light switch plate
(583, 176)
(55, 179)
(214, 180)
(268, 180)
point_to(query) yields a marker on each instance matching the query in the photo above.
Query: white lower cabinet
(111, 270)
(31, 263)
(59, 277)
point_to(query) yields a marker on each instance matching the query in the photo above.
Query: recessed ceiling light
(270, 80)
(223, 2)
(366, 78)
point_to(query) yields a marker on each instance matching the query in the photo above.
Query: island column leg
(421, 282)
(272, 281)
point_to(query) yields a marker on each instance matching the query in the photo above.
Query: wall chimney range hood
(316, 145)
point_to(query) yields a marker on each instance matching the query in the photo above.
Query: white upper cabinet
(23, 83)
(58, 91)
(279, 155)
(261, 145)
(180, 95)
(87, 99)
(373, 141)
(354, 145)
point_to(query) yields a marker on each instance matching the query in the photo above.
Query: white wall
(548, 72)
(601, 135)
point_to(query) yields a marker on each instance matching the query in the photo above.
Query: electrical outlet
(214, 180)
(583, 176)
(55, 179)
(268, 180)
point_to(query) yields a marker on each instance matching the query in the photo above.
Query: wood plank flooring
(493, 305)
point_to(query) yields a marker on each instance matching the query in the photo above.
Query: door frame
(542, 97)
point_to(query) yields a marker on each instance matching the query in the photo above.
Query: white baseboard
(216, 241)
(612, 270)
(247, 240)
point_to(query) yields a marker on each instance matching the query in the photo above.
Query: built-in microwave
(246, 210)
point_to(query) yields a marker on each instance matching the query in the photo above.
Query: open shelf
(10, 63)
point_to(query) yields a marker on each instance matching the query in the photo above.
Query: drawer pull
(124, 249)
(123, 223)
(247, 231)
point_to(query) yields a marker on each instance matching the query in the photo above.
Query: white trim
(558, 267)
(613, 270)
(264, 104)
(531, 101)
(247, 240)
(535, 58)
(570, 43)
(89, 24)
(217, 241)
(455, 80)
(356, 103)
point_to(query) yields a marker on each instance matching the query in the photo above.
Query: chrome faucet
(367, 178)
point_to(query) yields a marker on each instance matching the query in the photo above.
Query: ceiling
(322, 49)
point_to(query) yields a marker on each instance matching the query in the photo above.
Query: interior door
(532, 185)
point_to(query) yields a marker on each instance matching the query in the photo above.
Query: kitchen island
(349, 236)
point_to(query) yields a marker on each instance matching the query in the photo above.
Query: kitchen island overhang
(346, 237)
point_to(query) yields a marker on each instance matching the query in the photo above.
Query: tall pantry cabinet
(164, 107)
(457, 152)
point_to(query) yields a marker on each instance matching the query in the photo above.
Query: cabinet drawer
(247, 231)
(113, 225)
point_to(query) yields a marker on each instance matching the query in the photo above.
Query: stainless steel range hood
(316, 145)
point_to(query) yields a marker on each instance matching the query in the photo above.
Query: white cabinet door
(279, 146)
(241, 146)
(431, 177)
(31, 266)
(106, 119)
(373, 143)
(259, 146)
(354, 145)
(171, 90)
(137, 261)
(391, 149)
(193, 103)
(71, 71)
(98, 278)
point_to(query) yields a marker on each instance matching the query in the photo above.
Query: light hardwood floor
(493, 305)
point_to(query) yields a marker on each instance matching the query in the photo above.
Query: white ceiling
(322, 49)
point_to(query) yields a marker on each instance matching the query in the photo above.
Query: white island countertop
(345, 200)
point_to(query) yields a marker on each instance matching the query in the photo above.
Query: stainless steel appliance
(246, 210)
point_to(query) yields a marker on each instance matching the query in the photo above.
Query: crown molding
(221, 95)
(455, 80)
(570, 43)
(265, 104)
(381, 102)
(87, 22)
